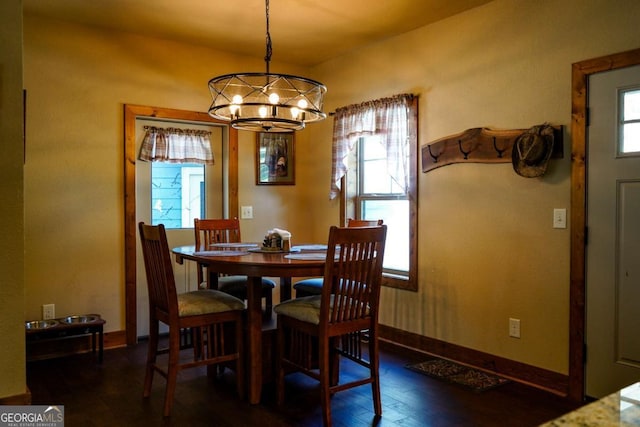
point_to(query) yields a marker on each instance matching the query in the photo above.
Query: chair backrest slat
(157, 261)
(354, 270)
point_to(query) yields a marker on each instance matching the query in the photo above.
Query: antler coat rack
(479, 145)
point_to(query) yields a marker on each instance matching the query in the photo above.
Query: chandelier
(263, 102)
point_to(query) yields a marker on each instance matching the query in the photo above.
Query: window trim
(348, 209)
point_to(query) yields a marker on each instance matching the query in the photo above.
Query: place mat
(459, 374)
(310, 248)
(307, 256)
(267, 251)
(221, 253)
(233, 245)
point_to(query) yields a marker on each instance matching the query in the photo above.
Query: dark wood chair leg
(280, 353)
(325, 378)
(172, 370)
(240, 363)
(151, 357)
(374, 367)
(334, 361)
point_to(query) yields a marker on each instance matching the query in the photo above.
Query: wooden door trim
(131, 113)
(577, 291)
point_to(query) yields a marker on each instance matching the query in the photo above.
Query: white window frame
(350, 202)
(362, 197)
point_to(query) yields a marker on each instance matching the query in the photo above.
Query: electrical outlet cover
(48, 311)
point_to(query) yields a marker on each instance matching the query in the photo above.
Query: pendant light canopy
(266, 102)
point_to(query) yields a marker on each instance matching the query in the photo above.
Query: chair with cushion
(213, 317)
(315, 331)
(313, 285)
(211, 231)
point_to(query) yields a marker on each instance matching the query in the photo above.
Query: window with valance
(375, 174)
(178, 158)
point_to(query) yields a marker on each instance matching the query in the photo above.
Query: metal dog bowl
(87, 318)
(40, 324)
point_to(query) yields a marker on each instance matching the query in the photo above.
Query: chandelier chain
(265, 102)
(269, 50)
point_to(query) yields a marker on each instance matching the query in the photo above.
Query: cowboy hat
(532, 151)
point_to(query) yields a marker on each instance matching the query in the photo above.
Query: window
(177, 194)
(380, 197)
(629, 122)
(379, 178)
(178, 157)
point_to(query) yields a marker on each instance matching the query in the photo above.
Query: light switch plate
(246, 212)
(559, 218)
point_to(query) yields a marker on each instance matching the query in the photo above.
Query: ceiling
(303, 32)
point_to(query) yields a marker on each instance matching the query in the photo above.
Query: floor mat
(459, 374)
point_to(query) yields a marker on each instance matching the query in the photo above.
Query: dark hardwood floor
(110, 394)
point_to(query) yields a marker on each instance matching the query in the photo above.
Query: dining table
(255, 263)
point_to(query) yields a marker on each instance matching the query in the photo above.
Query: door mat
(459, 374)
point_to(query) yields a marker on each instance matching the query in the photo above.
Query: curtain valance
(387, 118)
(174, 145)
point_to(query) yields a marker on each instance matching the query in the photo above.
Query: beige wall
(487, 250)
(12, 356)
(78, 80)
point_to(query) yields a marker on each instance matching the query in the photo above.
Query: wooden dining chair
(211, 231)
(214, 318)
(315, 331)
(313, 285)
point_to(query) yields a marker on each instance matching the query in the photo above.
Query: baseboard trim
(18, 399)
(115, 339)
(527, 374)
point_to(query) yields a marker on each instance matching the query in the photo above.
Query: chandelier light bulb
(294, 112)
(274, 98)
(303, 103)
(262, 111)
(234, 108)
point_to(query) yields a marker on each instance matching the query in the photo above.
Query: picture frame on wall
(275, 158)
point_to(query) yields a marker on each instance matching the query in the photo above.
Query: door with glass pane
(613, 239)
(173, 194)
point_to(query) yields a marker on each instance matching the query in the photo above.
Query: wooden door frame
(579, 122)
(131, 113)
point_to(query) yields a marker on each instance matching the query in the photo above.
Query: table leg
(254, 326)
(212, 279)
